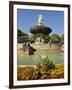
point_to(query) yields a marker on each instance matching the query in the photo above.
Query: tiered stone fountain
(40, 30)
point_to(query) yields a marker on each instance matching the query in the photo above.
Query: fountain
(40, 30)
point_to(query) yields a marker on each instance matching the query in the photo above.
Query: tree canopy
(62, 39)
(21, 36)
(55, 38)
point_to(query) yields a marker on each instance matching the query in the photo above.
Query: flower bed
(46, 70)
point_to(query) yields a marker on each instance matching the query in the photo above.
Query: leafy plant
(48, 64)
(45, 66)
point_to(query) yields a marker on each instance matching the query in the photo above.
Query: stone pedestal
(39, 40)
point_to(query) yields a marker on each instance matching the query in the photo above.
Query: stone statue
(40, 20)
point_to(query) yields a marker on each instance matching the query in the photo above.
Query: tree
(20, 33)
(55, 38)
(62, 39)
(32, 38)
(46, 38)
(21, 36)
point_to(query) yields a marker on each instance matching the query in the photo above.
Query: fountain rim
(40, 29)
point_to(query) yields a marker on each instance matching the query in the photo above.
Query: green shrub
(47, 64)
(44, 68)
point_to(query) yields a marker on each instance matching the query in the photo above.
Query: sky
(28, 17)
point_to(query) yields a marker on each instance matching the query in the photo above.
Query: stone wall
(41, 46)
(45, 46)
(19, 45)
